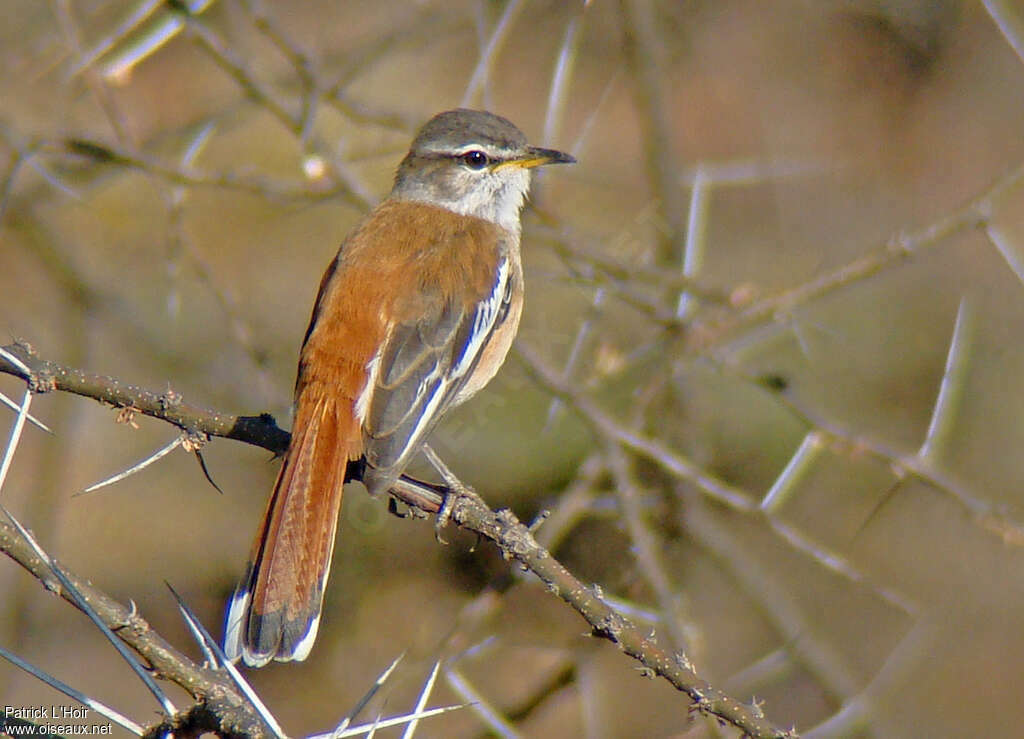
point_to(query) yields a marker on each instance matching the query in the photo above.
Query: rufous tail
(275, 611)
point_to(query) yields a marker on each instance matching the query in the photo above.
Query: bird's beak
(534, 156)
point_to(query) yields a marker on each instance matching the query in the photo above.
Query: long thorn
(89, 611)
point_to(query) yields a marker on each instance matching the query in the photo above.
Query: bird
(414, 316)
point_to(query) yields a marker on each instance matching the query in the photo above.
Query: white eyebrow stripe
(477, 147)
(494, 152)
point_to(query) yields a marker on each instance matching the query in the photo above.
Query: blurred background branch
(768, 375)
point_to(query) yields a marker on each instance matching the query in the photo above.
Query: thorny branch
(208, 687)
(515, 540)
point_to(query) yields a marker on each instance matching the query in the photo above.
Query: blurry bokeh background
(760, 270)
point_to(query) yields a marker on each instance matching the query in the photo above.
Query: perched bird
(415, 314)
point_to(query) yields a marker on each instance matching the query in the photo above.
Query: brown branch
(515, 540)
(210, 688)
(168, 406)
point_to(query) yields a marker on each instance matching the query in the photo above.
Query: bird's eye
(475, 159)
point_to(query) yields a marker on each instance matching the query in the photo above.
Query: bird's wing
(420, 369)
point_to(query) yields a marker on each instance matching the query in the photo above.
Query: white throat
(495, 196)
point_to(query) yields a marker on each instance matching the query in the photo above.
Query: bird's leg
(418, 495)
(456, 490)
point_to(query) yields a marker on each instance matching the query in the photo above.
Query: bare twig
(168, 406)
(648, 447)
(164, 661)
(645, 546)
(641, 46)
(491, 47)
(713, 332)
(516, 542)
